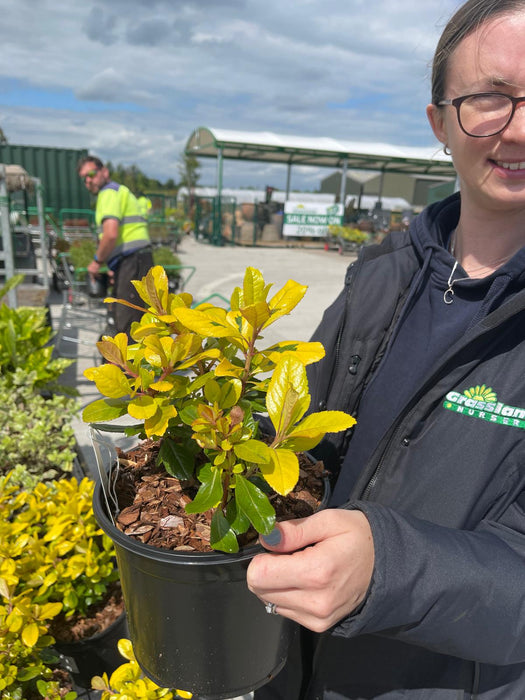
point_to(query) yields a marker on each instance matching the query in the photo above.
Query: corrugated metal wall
(57, 170)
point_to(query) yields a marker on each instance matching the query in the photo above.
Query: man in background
(145, 205)
(124, 244)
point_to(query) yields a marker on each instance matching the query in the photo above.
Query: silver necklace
(448, 294)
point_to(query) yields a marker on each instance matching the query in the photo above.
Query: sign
(311, 219)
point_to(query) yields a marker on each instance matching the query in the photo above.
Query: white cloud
(131, 80)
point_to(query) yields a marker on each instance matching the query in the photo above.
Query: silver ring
(270, 608)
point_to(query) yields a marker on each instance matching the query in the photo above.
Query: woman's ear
(435, 117)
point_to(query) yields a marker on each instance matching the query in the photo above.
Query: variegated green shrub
(196, 378)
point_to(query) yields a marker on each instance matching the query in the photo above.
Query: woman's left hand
(321, 569)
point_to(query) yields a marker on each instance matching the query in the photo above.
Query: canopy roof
(206, 142)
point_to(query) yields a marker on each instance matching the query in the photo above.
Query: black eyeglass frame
(458, 101)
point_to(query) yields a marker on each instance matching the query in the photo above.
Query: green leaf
(231, 391)
(212, 390)
(238, 520)
(209, 494)
(11, 283)
(255, 505)
(177, 459)
(28, 674)
(103, 410)
(222, 537)
(189, 413)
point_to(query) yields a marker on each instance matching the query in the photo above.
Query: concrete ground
(217, 270)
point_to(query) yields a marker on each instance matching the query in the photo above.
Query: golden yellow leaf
(110, 380)
(287, 399)
(256, 314)
(158, 423)
(285, 300)
(142, 407)
(253, 288)
(30, 634)
(282, 473)
(307, 353)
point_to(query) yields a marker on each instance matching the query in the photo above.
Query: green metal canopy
(206, 142)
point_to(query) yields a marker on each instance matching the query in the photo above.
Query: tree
(3, 137)
(188, 168)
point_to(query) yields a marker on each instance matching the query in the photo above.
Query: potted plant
(55, 556)
(196, 382)
(128, 682)
(28, 666)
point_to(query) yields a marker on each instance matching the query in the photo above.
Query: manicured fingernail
(273, 538)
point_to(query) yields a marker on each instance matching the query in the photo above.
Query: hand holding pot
(321, 569)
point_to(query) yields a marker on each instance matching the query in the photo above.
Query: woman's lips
(510, 169)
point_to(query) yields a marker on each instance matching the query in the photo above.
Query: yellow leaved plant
(128, 681)
(195, 378)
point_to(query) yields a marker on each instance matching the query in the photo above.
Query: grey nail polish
(273, 539)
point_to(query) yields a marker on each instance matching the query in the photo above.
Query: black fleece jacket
(444, 488)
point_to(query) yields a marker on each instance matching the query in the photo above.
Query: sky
(130, 80)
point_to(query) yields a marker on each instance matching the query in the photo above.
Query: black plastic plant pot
(193, 622)
(94, 656)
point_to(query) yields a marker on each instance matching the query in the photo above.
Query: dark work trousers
(131, 267)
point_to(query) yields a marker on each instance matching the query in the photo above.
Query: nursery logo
(482, 402)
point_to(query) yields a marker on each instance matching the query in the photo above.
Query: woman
(416, 575)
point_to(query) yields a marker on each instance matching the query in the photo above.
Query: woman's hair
(466, 20)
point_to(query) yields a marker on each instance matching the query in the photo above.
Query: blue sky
(131, 79)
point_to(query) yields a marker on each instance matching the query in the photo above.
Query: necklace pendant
(448, 294)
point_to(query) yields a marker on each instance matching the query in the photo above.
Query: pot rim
(165, 555)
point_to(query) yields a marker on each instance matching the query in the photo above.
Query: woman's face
(492, 169)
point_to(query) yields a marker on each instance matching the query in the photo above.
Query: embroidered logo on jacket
(482, 402)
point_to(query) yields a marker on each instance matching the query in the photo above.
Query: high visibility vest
(145, 205)
(116, 201)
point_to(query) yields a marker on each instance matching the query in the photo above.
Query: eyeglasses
(90, 173)
(484, 113)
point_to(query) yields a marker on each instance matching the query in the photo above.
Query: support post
(5, 232)
(217, 219)
(288, 179)
(342, 191)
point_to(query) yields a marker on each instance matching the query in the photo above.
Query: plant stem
(250, 352)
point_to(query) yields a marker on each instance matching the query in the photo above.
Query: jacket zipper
(351, 276)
